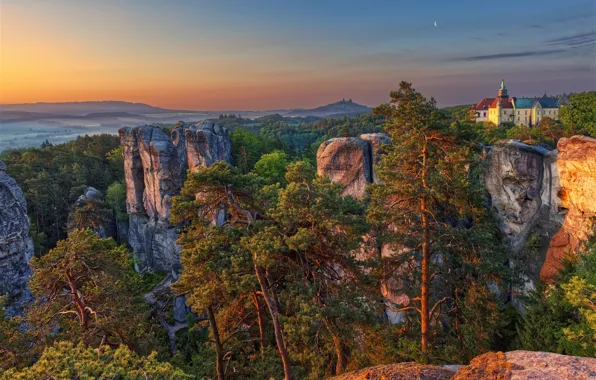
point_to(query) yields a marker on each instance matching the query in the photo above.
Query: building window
(549, 112)
(518, 113)
(484, 114)
(526, 113)
(518, 118)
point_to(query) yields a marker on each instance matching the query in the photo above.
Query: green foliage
(14, 342)
(95, 215)
(304, 235)
(304, 136)
(412, 209)
(460, 113)
(52, 178)
(116, 199)
(561, 317)
(86, 291)
(248, 147)
(67, 361)
(579, 115)
(272, 167)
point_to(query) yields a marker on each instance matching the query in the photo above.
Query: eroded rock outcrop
(152, 173)
(513, 365)
(544, 198)
(16, 246)
(514, 178)
(155, 168)
(575, 183)
(522, 365)
(207, 143)
(349, 161)
(376, 141)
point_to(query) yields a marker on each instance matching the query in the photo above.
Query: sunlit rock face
(155, 167)
(152, 173)
(575, 201)
(350, 161)
(206, 143)
(16, 246)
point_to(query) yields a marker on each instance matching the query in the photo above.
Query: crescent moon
(435, 23)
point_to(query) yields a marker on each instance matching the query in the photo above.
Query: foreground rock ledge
(400, 371)
(514, 365)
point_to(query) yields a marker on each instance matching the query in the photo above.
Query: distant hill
(339, 109)
(114, 109)
(84, 108)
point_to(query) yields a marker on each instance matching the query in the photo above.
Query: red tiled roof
(484, 104)
(504, 104)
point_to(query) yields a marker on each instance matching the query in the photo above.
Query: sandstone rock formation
(514, 365)
(574, 180)
(522, 365)
(349, 161)
(541, 198)
(207, 143)
(400, 371)
(155, 168)
(544, 198)
(514, 178)
(16, 247)
(152, 173)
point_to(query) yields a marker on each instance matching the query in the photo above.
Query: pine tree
(427, 212)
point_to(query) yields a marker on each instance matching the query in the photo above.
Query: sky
(264, 55)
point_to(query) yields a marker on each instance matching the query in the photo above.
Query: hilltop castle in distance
(520, 111)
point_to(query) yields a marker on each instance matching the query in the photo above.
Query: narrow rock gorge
(16, 246)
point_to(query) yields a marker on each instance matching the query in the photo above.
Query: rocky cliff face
(349, 161)
(573, 189)
(155, 167)
(16, 247)
(543, 198)
(153, 176)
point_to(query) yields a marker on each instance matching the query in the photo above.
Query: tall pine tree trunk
(260, 319)
(425, 286)
(218, 346)
(273, 310)
(339, 346)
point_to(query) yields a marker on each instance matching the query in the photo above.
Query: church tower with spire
(501, 109)
(502, 94)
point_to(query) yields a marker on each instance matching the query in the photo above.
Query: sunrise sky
(257, 55)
